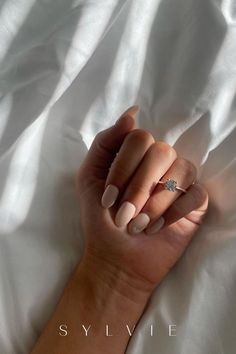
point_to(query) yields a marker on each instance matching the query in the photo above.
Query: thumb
(107, 143)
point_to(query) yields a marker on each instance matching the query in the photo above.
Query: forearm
(97, 313)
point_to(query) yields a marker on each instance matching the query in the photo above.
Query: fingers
(192, 205)
(108, 142)
(132, 183)
(154, 165)
(182, 171)
(124, 165)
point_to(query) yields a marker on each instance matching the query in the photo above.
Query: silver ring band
(171, 185)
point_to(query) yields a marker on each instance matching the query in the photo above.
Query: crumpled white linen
(68, 69)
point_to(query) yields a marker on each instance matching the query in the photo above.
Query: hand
(136, 229)
(135, 232)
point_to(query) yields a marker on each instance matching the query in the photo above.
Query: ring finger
(182, 171)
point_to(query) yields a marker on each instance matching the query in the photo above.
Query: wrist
(98, 310)
(107, 279)
(108, 296)
(105, 304)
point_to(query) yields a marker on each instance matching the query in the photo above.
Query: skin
(119, 271)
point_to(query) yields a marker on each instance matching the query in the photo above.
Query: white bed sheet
(67, 70)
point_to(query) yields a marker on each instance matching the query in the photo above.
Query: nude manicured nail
(139, 223)
(109, 196)
(125, 214)
(156, 226)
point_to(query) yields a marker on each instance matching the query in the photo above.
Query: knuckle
(98, 142)
(99, 137)
(163, 148)
(187, 166)
(140, 136)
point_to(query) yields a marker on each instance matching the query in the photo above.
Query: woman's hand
(135, 231)
(134, 227)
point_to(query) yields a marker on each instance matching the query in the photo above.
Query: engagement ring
(171, 185)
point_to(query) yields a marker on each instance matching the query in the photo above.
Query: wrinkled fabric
(68, 69)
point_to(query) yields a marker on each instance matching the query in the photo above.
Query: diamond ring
(171, 185)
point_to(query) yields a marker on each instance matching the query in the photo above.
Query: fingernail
(131, 111)
(156, 226)
(125, 214)
(139, 223)
(109, 196)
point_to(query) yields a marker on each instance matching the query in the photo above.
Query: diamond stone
(171, 185)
